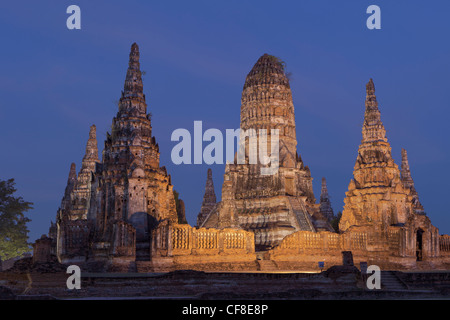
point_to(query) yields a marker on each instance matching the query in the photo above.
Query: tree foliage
(13, 222)
(335, 221)
(181, 215)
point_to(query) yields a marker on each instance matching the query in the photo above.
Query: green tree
(180, 208)
(13, 223)
(335, 221)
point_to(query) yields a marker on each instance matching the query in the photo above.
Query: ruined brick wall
(42, 250)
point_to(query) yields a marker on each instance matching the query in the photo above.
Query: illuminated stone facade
(122, 214)
(276, 205)
(383, 222)
(72, 230)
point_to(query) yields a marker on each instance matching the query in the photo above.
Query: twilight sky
(55, 83)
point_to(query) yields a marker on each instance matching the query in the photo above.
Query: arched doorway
(419, 244)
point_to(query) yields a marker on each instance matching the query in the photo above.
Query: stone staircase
(142, 251)
(300, 211)
(390, 282)
(267, 266)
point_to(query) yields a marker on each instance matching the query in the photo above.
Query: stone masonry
(209, 199)
(270, 206)
(325, 202)
(122, 213)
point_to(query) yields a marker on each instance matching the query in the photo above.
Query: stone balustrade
(444, 244)
(182, 239)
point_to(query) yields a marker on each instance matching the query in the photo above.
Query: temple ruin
(121, 213)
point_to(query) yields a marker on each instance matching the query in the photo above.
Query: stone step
(142, 251)
(142, 257)
(389, 281)
(267, 265)
(144, 266)
(302, 215)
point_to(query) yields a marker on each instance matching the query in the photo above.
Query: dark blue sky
(55, 83)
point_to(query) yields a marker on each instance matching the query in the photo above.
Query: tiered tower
(82, 190)
(132, 193)
(325, 203)
(376, 194)
(274, 205)
(71, 220)
(71, 182)
(209, 199)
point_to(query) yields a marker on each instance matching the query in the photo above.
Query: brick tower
(274, 205)
(325, 203)
(71, 220)
(209, 199)
(132, 192)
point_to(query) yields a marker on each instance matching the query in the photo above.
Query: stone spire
(376, 194)
(133, 82)
(132, 125)
(374, 147)
(405, 171)
(72, 173)
(325, 203)
(133, 192)
(373, 129)
(408, 182)
(81, 192)
(91, 155)
(209, 199)
(71, 182)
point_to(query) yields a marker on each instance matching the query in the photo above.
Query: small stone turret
(325, 203)
(408, 182)
(91, 156)
(209, 199)
(81, 193)
(71, 182)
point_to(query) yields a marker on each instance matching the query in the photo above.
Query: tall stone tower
(82, 190)
(325, 203)
(209, 199)
(132, 193)
(376, 194)
(272, 206)
(71, 220)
